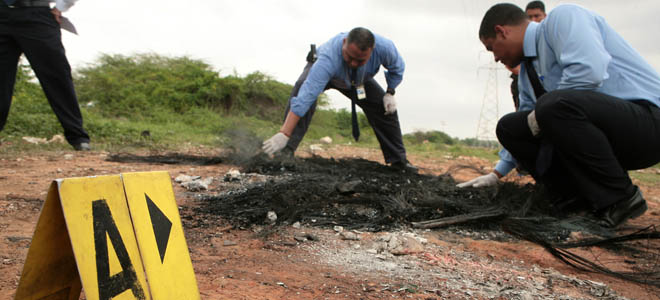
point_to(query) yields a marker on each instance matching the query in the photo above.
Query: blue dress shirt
(574, 48)
(330, 67)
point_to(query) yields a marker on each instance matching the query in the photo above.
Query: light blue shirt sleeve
(318, 77)
(394, 65)
(506, 163)
(584, 64)
(64, 5)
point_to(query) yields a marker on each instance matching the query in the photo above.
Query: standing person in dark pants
(31, 27)
(599, 118)
(348, 62)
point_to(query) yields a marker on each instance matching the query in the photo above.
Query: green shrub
(433, 136)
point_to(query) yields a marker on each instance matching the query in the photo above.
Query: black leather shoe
(82, 147)
(405, 166)
(618, 213)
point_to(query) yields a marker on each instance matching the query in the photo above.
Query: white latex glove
(389, 103)
(485, 180)
(533, 125)
(275, 143)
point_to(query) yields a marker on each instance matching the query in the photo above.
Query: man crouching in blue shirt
(348, 62)
(598, 119)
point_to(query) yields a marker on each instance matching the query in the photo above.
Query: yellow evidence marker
(160, 235)
(95, 235)
(101, 235)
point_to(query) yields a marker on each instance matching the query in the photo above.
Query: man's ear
(501, 31)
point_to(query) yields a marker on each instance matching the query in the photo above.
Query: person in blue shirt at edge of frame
(348, 62)
(599, 118)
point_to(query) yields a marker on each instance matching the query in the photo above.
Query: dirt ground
(296, 262)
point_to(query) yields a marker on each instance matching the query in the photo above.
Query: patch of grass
(647, 176)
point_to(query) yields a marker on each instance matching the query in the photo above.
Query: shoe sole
(639, 211)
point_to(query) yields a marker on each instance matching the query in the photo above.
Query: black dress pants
(35, 32)
(386, 127)
(595, 139)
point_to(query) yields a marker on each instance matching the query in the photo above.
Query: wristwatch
(390, 91)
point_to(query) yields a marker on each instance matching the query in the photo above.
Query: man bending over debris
(598, 119)
(348, 62)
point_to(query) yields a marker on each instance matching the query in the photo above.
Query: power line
(489, 114)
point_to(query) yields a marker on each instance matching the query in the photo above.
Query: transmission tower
(489, 106)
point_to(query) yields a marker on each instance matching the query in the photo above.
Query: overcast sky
(446, 75)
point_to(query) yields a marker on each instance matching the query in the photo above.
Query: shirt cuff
(62, 5)
(504, 167)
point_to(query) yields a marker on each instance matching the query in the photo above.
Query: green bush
(30, 114)
(433, 136)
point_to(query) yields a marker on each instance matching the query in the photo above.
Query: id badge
(361, 94)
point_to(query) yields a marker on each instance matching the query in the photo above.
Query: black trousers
(35, 32)
(386, 127)
(595, 140)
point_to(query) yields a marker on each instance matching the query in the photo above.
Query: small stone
(229, 243)
(349, 236)
(296, 225)
(271, 216)
(316, 148)
(338, 228)
(186, 178)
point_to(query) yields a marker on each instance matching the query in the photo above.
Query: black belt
(27, 3)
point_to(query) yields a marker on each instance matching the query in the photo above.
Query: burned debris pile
(365, 195)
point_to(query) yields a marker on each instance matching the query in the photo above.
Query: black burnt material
(357, 194)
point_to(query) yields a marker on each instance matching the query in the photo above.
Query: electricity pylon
(489, 106)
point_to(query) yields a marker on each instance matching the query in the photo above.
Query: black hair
(500, 14)
(361, 37)
(535, 4)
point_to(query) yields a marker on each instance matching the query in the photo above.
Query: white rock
(35, 140)
(58, 138)
(316, 148)
(185, 178)
(271, 216)
(326, 140)
(195, 185)
(68, 156)
(349, 236)
(233, 173)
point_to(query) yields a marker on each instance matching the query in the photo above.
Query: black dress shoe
(82, 147)
(405, 166)
(618, 213)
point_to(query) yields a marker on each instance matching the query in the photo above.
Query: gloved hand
(485, 180)
(533, 125)
(389, 103)
(275, 143)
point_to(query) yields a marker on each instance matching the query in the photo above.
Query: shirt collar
(529, 41)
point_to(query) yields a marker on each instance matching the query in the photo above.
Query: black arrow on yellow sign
(162, 227)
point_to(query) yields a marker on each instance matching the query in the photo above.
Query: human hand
(389, 103)
(58, 14)
(485, 180)
(533, 125)
(275, 143)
